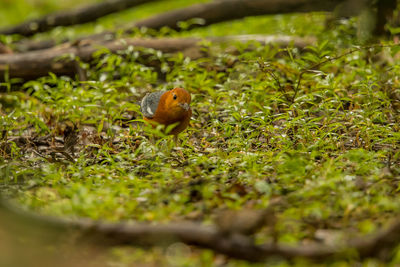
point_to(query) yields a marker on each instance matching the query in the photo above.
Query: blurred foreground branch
(238, 246)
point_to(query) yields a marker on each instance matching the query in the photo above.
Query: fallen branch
(61, 59)
(208, 13)
(72, 17)
(240, 246)
(225, 10)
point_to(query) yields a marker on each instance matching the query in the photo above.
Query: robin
(166, 108)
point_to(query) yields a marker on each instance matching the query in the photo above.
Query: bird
(166, 108)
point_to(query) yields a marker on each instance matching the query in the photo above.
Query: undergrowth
(268, 123)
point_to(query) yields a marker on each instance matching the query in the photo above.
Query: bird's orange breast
(172, 108)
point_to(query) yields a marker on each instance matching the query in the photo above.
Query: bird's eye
(175, 97)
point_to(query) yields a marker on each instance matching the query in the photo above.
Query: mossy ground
(331, 152)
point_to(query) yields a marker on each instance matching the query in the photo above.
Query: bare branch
(225, 10)
(207, 14)
(39, 63)
(71, 17)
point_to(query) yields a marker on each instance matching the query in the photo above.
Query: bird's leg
(178, 150)
(176, 140)
(152, 139)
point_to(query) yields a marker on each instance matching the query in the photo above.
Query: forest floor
(322, 145)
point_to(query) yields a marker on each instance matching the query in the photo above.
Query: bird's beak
(185, 106)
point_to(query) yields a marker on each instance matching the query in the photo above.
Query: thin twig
(272, 74)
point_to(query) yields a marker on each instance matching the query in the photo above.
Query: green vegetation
(329, 149)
